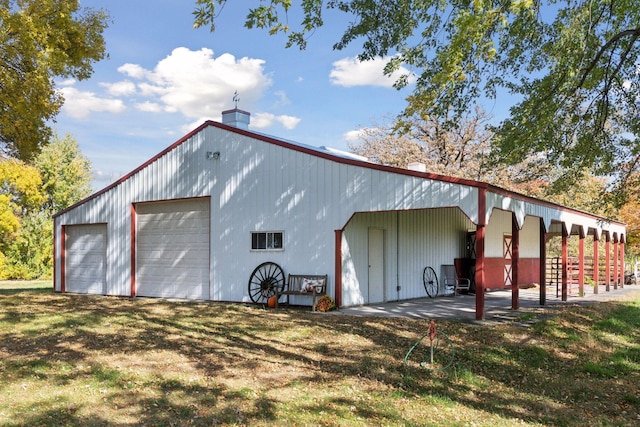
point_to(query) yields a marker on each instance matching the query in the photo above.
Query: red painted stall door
(507, 254)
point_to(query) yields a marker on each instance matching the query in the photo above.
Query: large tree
(571, 64)
(41, 40)
(65, 171)
(459, 149)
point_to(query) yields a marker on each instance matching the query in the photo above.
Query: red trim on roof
(337, 159)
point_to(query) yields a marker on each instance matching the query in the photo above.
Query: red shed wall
(528, 272)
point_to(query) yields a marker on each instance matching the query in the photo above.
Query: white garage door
(172, 249)
(86, 258)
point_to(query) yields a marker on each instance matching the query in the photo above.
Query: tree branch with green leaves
(571, 67)
(41, 40)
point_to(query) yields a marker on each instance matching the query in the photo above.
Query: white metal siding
(530, 238)
(173, 249)
(499, 225)
(86, 258)
(256, 185)
(413, 240)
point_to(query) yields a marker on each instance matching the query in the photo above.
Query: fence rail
(554, 273)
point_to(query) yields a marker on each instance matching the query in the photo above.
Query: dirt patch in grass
(88, 360)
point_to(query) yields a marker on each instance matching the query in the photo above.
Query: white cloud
(132, 70)
(265, 120)
(80, 104)
(352, 135)
(194, 124)
(349, 72)
(197, 84)
(289, 122)
(149, 107)
(282, 98)
(149, 90)
(123, 88)
(67, 82)
(194, 83)
(262, 120)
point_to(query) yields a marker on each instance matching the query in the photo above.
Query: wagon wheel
(430, 280)
(264, 280)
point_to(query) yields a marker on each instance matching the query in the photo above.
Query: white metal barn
(195, 221)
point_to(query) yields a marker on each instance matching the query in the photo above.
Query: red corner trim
(133, 249)
(63, 254)
(338, 268)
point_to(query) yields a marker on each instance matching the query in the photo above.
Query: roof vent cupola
(236, 117)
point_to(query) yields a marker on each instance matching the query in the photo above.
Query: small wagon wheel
(430, 280)
(264, 280)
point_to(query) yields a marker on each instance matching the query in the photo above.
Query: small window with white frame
(267, 240)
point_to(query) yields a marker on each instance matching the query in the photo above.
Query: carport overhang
(553, 219)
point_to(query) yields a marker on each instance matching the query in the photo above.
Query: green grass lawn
(8, 286)
(91, 361)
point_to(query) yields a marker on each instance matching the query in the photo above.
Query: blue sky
(163, 78)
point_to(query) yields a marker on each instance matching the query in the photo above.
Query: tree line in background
(30, 193)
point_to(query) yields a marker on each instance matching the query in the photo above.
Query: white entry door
(376, 265)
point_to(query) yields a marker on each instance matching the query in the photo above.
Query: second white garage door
(172, 249)
(86, 258)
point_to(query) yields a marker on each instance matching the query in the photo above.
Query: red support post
(543, 263)
(480, 233)
(515, 258)
(596, 262)
(134, 218)
(581, 265)
(615, 263)
(622, 262)
(607, 260)
(565, 258)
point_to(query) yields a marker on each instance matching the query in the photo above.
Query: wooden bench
(311, 285)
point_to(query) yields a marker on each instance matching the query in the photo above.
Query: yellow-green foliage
(41, 40)
(19, 194)
(29, 195)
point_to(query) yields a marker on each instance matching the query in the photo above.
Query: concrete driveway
(497, 304)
